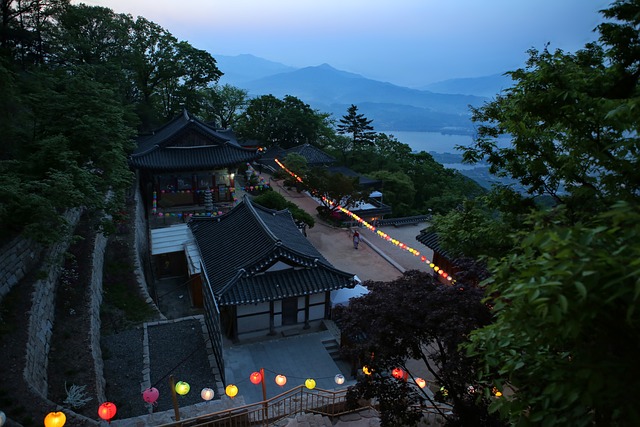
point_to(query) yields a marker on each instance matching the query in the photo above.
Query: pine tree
(358, 126)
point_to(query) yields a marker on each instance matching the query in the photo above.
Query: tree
(567, 315)
(287, 122)
(398, 190)
(566, 297)
(223, 104)
(334, 189)
(414, 318)
(567, 117)
(359, 127)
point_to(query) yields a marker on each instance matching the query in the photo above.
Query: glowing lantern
(471, 389)
(366, 370)
(53, 419)
(496, 392)
(397, 373)
(207, 394)
(3, 419)
(182, 388)
(444, 391)
(421, 383)
(150, 395)
(339, 379)
(281, 380)
(231, 390)
(255, 378)
(107, 410)
(310, 383)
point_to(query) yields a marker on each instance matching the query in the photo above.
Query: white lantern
(207, 394)
(339, 379)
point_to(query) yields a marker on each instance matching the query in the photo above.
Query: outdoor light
(366, 370)
(397, 373)
(150, 395)
(339, 379)
(310, 383)
(496, 392)
(182, 388)
(3, 419)
(107, 410)
(231, 390)
(207, 394)
(281, 380)
(53, 419)
(421, 383)
(255, 378)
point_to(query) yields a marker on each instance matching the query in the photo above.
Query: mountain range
(391, 107)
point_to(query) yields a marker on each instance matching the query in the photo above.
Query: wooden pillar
(272, 327)
(306, 312)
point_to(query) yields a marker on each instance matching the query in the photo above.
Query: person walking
(356, 239)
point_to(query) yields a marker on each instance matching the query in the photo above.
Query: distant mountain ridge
(488, 86)
(331, 90)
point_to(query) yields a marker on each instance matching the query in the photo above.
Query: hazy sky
(407, 42)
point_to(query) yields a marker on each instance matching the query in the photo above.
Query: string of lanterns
(379, 233)
(108, 410)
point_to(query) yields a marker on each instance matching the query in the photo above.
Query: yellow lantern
(207, 394)
(496, 392)
(281, 380)
(182, 388)
(231, 390)
(55, 419)
(366, 370)
(421, 383)
(310, 383)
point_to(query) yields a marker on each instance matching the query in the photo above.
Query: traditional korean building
(441, 258)
(185, 158)
(259, 272)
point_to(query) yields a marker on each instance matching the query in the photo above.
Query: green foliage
(567, 319)
(358, 127)
(333, 189)
(276, 201)
(399, 191)
(284, 122)
(223, 104)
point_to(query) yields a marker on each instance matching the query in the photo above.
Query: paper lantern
(53, 419)
(255, 378)
(366, 370)
(339, 379)
(421, 383)
(310, 383)
(150, 395)
(3, 419)
(397, 373)
(496, 392)
(231, 390)
(207, 394)
(107, 410)
(182, 388)
(281, 380)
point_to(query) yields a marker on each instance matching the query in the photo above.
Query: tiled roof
(362, 180)
(430, 240)
(239, 247)
(314, 155)
(163, 151)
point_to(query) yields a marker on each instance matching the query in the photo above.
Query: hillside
(391, 107)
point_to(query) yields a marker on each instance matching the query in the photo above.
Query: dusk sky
(406, 42)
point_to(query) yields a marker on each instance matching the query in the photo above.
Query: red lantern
(397, 373)
(255, 378)
(107, 410)
(150, 395)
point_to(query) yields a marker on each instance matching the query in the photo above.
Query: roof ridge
(253, 211)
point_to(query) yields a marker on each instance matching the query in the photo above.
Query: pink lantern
(150, 395)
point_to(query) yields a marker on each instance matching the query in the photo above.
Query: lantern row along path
(298, 357)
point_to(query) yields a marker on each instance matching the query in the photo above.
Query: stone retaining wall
(95, 301)
(43, 310)
(16, 258)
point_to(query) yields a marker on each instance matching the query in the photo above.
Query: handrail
(294, 401)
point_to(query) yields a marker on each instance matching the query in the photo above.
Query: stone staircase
(363, 418)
